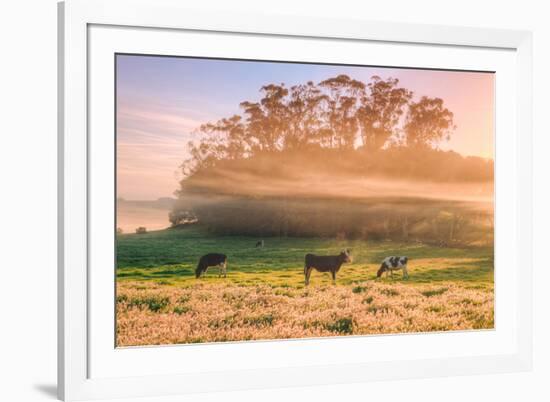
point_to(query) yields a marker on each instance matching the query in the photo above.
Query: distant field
(159, 301)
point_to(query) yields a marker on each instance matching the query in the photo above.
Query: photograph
(266, 200)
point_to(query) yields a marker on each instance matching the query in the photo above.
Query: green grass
(169, 257)
(434, 292)
(342, 326)
(153, 303)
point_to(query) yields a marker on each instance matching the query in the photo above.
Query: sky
(162, 100)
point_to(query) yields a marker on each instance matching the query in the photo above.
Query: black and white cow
(393, 263)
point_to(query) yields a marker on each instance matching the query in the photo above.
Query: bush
(368, 300)
(359, 289)
(179, 310)
(153, 303)
(260, 321)
(179, 217)
(141, 230)
(342, 326)
(434, 292)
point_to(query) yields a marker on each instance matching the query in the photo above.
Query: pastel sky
(161, 100)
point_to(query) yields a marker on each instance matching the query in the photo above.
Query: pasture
(159, 300)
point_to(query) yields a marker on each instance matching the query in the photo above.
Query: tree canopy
(337, 113)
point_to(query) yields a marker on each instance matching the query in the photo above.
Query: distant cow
(260, 244)
(393, 263)
(211, 260)
(328, 263)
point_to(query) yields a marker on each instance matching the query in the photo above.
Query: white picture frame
(89, 369)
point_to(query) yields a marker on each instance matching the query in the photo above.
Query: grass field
(159, 301)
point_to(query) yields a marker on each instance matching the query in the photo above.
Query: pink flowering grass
(153, 314)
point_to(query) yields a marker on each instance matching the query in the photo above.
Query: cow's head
(199, 270)
(383, 268)
(346, 255)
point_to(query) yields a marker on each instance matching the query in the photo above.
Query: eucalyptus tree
(343, 95)
(381, 109)
(428, 122)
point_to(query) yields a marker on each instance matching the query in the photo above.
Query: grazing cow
(390, 264)
(328, 263)
(260, 244)
(211, 260)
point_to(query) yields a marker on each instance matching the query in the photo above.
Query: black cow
(328, 263)
(390, 264)
(260, 244)
(211, 260)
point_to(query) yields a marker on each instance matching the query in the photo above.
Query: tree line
(336, 113)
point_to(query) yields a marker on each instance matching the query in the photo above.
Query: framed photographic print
(246, 199)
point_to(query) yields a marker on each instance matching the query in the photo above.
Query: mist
(308, 185)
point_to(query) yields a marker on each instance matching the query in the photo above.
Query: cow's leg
(333, 277)
(307, 271)
(391, 273)
(222, 271)
(405, 272)
(225, 269)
